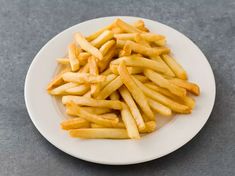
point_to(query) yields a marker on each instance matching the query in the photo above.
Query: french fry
(150, 126)
(110, 116)
(86, 101)
(92, 110)
(125, 36)
(61, 90)
(85, 45)
(106, 59)
(110, 88)
(74, 123)
(126, 51)
(73, 53)
(107, 46)
(82, 78)
(158, 107)
(98, 119)
(141, 78)
(140, 40)
(160, 42)
(175, 67)
(133, 107)
(174, 106)
(58, 80)
(118, 125)
(120, 43)
(63, 61)
(102, 38)
(138, 61)
(139, 24)
(134, 90)
(162, 82)
(188, 101)
(116, 30)
(129, 122)
(78, 90)
(99, 133)
(84, 69)
(106, 72)
(83, 58)
(114, 96)
(127, 27)
(147, 51)
(131, 70)
(191, 87)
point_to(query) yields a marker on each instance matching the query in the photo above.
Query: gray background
(25, 26)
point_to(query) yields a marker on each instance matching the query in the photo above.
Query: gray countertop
(25, 26)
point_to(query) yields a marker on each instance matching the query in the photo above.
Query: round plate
(47, 115)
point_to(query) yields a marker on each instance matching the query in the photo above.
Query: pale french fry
(92, 110)
(58, 80)
(85, 45)
(86, 101)
(159, 60)
(99, 133)
(150, 126)
(102, 38)
(83, 58)
(162, 82)
(116, 30)
(74, 123)
(110, 116)
(110, 88)
(98, 119)
(161, 42)
(191, 87)
(103, 64)
(175, 67)
(127, 27)
(107, 46)
(82, 78)
(176, 107)
(73, 53)
(63, 61)
(188, 101)
(61, 90)
(141, 78)
(97, 33)
(88, 94)
(158, 107)
(133, 107)
(114, 96)
(131, 70)
(129, 122)
(84, 69)
(108, 79)
(78, 90)
(134, 90)
(147, 51)
(138, 61)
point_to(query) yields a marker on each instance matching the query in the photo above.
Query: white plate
(47, 115)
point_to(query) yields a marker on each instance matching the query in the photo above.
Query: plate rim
(114, 163)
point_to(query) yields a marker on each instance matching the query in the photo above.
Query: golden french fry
(82, 78)
(134, 90)
(85, 45)
(58, 80)
(92, 110)
(162, 82)
(110, 88)
(73, 53)
(61, 90)
(86, 101)
(106, 72)
(138, 61)
(74, 123)
(102, 38)
(106, 59)
(84, 69)
(77, 90)
(161, 42)
(129, 122)
(63, 61)
(176, 107)
(133, 107)
(140, 40)
(158, 107)
(110, 116)
(139, 24)
(131, 70)
(99, 133)
(175, 67)
(83, 58)
(147, 51)
(127, 27)
(191, 87)
(118, 125)
(126, 51)
(107, 46)
(188, 101)
(125, 36)
(141, 78)
(116, 30)
(114, 96)
(120, 43)
(150, 126)
(108, 79)
(98, 119)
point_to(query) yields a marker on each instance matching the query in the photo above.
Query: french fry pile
(115, 81)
